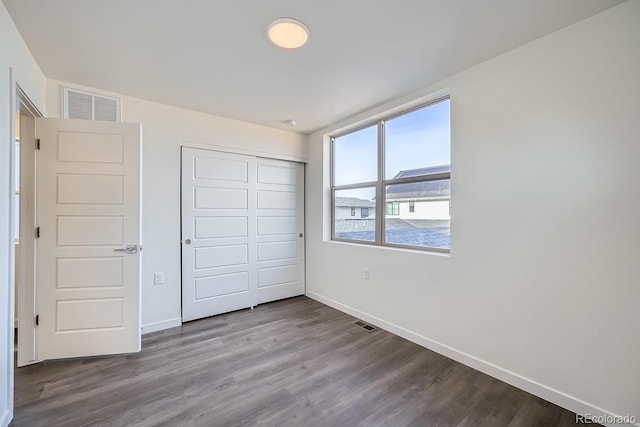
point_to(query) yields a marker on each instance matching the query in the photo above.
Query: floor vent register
(364, 326)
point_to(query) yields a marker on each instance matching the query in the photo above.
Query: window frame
(381, 183)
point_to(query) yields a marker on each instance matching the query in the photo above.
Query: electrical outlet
(158, 278)
(366, 275)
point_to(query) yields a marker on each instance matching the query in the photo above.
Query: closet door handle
(132, 249)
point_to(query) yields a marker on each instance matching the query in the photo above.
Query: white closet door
(218, 233)
(280, 228)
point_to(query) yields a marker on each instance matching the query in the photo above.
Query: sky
(414, 140)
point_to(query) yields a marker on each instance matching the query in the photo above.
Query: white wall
(424, 209)
(13, 54)
(546, 294)
(164, 128)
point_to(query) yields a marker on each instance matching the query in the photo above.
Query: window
(397, 166)
(353, 211)
(393, 208)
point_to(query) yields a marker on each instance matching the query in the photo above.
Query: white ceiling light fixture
(288, 33)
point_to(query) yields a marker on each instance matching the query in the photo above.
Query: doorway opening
(24, 166)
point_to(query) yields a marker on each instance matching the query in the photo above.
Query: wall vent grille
(82, 105)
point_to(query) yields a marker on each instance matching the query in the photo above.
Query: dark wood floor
(290, 363)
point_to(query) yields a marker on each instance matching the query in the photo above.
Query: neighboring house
(354, 208)
(417, 214)
(420, 200)
(354, 215)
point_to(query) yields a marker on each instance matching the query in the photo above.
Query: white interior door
(87, 253)
(280, 239)
(218, 233)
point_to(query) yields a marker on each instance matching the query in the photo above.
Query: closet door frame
(258, 156)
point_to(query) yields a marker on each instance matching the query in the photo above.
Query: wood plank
(289, 363)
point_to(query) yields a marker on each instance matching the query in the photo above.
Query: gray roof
(353, 202)
(423, 171)
(421, 190)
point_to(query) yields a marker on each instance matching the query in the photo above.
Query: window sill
(425, 251)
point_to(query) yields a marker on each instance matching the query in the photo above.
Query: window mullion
(380, 193)
(333, 213)
(333, 189)
(332, 173)
(354, 186)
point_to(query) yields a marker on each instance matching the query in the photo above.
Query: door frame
(17, 96)
(25, 270)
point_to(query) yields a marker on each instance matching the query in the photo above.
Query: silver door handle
(132, 249)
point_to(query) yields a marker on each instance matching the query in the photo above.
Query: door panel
(221, 256)
(90, 272)
(88, 210)
(90, 230)
(221, 169)
(220, 198)
(221, 285)
(218, 233)
(80, 315)
(218, 227)
(271, 226)
(280, 228)
(277, 250)
(90, 147)
(90, 189)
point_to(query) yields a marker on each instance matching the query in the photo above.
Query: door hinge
(38, 144)
(37, 232)
(37, 319)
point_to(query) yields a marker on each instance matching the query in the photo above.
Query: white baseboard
(159, 326)
(6, 418)
(547, 393)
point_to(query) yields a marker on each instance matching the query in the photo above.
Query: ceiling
(213, 56)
